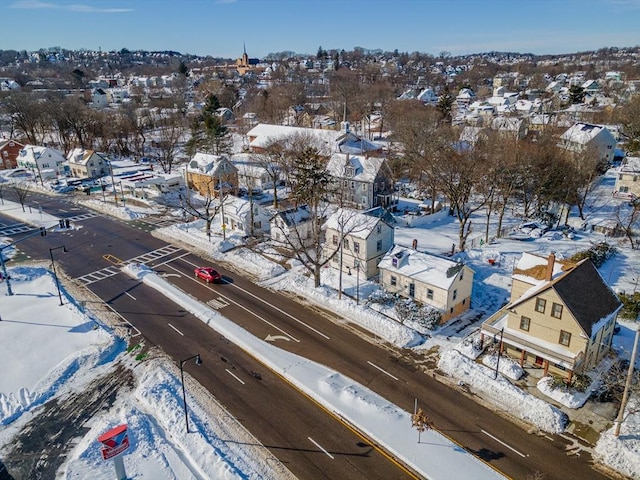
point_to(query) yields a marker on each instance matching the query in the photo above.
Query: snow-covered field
(151, 404)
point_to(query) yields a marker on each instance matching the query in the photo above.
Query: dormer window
(349, 171)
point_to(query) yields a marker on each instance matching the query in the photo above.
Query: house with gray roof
(560, 316)
(360, 181)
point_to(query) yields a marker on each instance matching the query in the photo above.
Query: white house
(292, 227)
(87, 163)
(628, 179)
(42, 161)
(244, 216)
(429, 279)
(583, 136)
(356, 241)
(254, 175)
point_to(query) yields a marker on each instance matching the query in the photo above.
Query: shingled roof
(586, 295)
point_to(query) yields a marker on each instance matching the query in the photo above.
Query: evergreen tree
(576, 94)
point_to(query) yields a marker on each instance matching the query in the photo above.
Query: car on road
(208, 274)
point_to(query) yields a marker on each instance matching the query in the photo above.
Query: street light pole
(53, 265)
(184, 394)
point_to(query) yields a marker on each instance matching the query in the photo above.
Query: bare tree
(205, 207)
(458, 173)
(28, 112)
(629, 221)
(21, 192)
(272, 159)
(584, 167)
(169, 134)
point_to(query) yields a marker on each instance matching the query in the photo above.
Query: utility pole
(499, 352)
(627, 385)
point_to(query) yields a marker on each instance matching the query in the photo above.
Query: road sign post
(115, 442)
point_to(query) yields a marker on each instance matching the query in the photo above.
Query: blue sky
(220, 27)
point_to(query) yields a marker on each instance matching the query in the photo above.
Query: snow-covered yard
(152, 404)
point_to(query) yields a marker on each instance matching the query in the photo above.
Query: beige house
(211, 174)
(560, 316)
(87, 163)
(356, 242)
(428, 279)
(628, 179)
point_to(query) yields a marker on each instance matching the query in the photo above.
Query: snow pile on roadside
(52, 348)
(128, 212)
(518, 403)
(160, 448)
(568, 398)
(390, 330)
(622, 452)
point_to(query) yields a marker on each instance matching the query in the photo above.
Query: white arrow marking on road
(273, 338)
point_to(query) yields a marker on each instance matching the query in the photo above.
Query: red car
(207, 274)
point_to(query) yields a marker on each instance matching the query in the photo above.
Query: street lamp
(53, 265)
(184, 395)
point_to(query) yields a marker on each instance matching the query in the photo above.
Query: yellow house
(211, 174)
(560, 316)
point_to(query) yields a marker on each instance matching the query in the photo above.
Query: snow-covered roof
(352, 222)
(531, 269)
(365, 168)
(631, 165)
(583, 133)
(423, 267)
(205, 162)
(266, 133)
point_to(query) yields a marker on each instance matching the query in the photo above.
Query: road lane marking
(268, 304)
(239, 305)
(280, 310)
(383, 371)
(176, 329)
(129, 295)
(502, 443)
(233, 375)
(318, 445)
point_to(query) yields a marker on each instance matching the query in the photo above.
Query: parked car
(208, 274)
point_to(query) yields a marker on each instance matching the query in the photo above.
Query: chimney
(551, 261)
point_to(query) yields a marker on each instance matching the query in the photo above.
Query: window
(624, 189)
(461, 275)
(379, 229)
(335, 240)
(364, 187)
(353, 185)
(345, 243)
(334, 259)
(257, 225)
(455, 294)
(541, 303)
(379, 245)
(394, 281)
(565, 338)
(556, 310)
(429, 294)
(524, 323)
(356, 247)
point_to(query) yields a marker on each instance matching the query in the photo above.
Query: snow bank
(518, 403)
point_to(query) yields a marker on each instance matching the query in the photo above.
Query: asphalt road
(257, 401)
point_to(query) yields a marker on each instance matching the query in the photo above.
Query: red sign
(115, 441)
